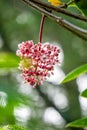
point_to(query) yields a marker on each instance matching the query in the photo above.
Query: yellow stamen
(25, 63)
(55, 2)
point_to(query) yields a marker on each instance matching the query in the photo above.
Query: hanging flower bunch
(37, 61)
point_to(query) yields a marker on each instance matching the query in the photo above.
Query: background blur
(50, 106)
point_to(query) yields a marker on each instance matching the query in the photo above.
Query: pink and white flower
(37, 61)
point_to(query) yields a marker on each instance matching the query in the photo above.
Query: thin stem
(41, 27)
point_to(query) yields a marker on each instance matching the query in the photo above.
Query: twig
(82, 33)
(70, 2)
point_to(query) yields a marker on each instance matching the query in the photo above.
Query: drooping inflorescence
(37, 61)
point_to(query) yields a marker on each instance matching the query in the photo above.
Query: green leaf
(12, 127)
(81, 123)
(81, 5)
(84, 93)
(75, 73)
(8, 60)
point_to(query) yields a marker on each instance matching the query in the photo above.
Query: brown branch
(58, 9)
(82, 33)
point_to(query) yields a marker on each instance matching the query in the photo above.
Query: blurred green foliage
(20, 103)
(8, 60)
(14, 127)
(82, 5)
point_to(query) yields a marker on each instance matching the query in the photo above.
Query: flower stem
(41, 27)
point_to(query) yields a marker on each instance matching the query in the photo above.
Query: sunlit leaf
(84, 93)
(81, 123)
(14, 127)
(75, 73)
(8, 60)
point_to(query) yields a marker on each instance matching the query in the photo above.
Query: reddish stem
(41, 27)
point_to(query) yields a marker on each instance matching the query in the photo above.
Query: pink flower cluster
(37, 61)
